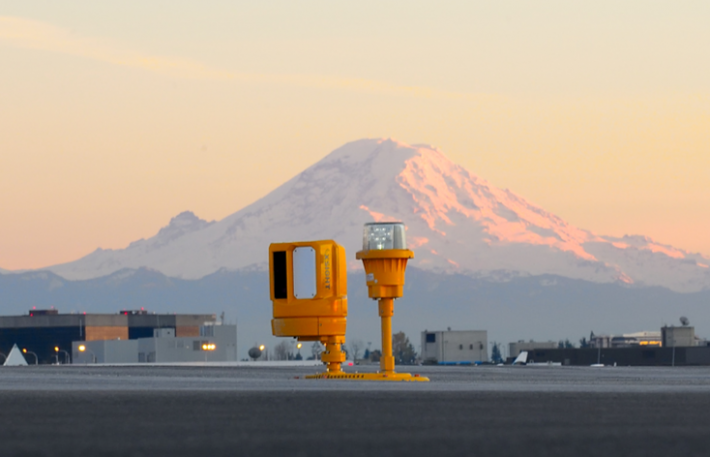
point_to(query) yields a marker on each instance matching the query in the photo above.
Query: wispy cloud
(29, 34)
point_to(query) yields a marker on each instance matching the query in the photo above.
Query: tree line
(402, 350)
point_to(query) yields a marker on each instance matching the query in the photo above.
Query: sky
(117, 116)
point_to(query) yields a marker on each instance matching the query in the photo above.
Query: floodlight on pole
(67, 357)
(384, 255)
(24, 350)
(82, 348)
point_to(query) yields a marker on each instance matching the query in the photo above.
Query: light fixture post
(384, 255)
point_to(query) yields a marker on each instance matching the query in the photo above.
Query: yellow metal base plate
(406, 377)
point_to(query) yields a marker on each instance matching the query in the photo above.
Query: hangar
(48, 334)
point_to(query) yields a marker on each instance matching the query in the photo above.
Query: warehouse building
(213, 343)
(645, 338)
(516, 348)
(678, 336)
(455, 346)
(672, 346)
(142, 324)
(630, 356)
(47, 333)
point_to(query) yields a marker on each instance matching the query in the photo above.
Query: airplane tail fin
(522, 358)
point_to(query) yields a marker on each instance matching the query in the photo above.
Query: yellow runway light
(384, 255)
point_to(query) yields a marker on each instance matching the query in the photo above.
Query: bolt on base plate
(406, 377)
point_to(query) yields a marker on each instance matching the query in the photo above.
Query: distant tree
(375, 355)
(355, 347)
(495, 354)
(316, 350)
(281, 350)
(566, 344)
(402, 349)
(583, 343)
(366, 355)
(346, 350)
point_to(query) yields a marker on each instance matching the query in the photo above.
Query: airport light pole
(30, 352)
(673, 352)
(384, 255)
(599, 354)
(208, 347)
(83, 348)
(67, 357)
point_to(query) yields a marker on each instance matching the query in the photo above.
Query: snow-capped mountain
(456, 223)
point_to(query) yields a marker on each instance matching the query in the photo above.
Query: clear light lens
(377, 236)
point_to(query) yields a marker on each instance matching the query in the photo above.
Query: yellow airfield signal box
(309, 294)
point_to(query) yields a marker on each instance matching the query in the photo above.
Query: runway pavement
(487, 411)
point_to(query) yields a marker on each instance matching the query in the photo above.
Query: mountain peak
(371, 150)
(185, 218)
(180, 225)
(456, 222)
(185, 222)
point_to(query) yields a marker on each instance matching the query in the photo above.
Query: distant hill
(539, 307)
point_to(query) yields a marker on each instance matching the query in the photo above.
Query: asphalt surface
(486, 411)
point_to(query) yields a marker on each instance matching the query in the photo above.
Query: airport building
(47, 335)
(678, 336)
(630, 356)
(672, 346)
(214, 343)
(455, 346)
(516, 348)
(646, 338)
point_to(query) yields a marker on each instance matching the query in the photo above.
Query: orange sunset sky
(117, 116)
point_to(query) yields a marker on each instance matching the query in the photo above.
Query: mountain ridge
(456, 222)
(535, 307)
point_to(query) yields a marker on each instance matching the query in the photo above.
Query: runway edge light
(308, 282)
(384, 255)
